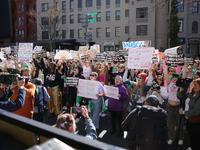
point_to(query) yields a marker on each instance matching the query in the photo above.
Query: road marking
(102, 133)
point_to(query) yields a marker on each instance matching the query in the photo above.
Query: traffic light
(17, 32)
(88, 36)
(84, 20)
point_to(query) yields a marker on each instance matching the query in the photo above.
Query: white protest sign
(155, 56)
(63, 55)
(25, 52)
(1, 55)
(37, 49)
(88, 88)
(74, 54)
(83, 48)
(93, 52)
(136, 44)
(111, 91)
(7, 50)
(2, 66)
(140, 58)
(96, 46)
(9, 64)
(81, 53)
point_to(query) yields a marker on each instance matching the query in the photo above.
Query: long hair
(192, 92)
(136, 87)
(67, 121)
(162, 84)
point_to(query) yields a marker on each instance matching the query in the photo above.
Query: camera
(184, 83)
(8, 78)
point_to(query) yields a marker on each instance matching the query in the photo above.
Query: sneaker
(113, 132)
(100, 113)
(103, 115)
(77, 120)
(170, 142)
(51, 115)
(180, 142)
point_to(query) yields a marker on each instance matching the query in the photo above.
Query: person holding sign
(94, 115)
(116, 106)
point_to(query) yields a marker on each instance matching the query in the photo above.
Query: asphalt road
(104, 136)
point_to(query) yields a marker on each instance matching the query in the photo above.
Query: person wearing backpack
(147, 125)
(41, 98)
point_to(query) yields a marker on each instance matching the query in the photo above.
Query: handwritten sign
(81, 53)
(136, 44)
(9, 64)
(140, 58)
(7, 50)
(25, 52)
(72, 81)
(111, 91)
(74, 54)
(97, 47)
(83, 48)
(88, 88)
(118, 59)
(37, 49)
(65, 55)
(1, 54)
(93, 52)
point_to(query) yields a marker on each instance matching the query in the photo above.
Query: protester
(193, 113)
(67, 122)
(147, 125)
(116, 106)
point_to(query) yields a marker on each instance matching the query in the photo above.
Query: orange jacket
(27, 109)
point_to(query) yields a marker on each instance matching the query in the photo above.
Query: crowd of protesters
(134, 85)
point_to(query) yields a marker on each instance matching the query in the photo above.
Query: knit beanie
(143, 75)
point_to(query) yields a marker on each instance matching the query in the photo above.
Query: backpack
(37, 101)
(150, 127)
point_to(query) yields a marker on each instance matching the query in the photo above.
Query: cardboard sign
(174, 60)
(140, 58)
(25, 52)
(189, 61)
(74, 54)
(72, 81)
(112, 92)
(88, 88)
(83, 48)
(136, 44)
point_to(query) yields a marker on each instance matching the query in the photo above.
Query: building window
(79, 3)
(33, 7)
(22, 34)
(71, 19)
(79, 18)
(117, 1)
(117, 15)
(107, 2)
(71, 4)
(117, 31)
(33, 20)
(28, 19)
(72, 33)
(13, 11)
(99, 17)
(27, 8)
(98, 2)
(22, 20)
(108, 16)
(19, 34)
(44, 7)
(63, 34)
(141, 30)
(64, 19)
(28, 34)
(108, 32)
(45, 34)
(80, 33)
(142, 12)
(180, 25)
(34, 35)
(45, 21)
(22, 8)
(127, 13)
(126, 1)
(126, 29)
(194, 27)
(195, 8)
(98, 34)
(19, 21)
(180, 5)
(89, 3)
(57, 33)
(13, 22)
(19, 8)
(64, 5)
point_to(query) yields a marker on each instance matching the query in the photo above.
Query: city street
(104, 136)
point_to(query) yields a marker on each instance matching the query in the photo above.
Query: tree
(173, 25)
(49, 22)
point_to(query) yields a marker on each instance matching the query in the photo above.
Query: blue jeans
(94, 114)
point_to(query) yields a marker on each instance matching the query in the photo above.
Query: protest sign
(1, 54)
(109, 59)
(123, 52)
(72, 81)
(38, 54)
(88, 88)
(111, 91)
(83, 48)
(37, 49)
(100, 57)
(74, 54)
(155, 56)
(81, 53)
(136, 44)
(63, 55)
(111, 53)
(174, 60)
(25, 52)
(9, 64)
(93, 52)
(189, 61)
(7, 50)
(96, 46)
(2, 66)
(140, 58)
(118, 59)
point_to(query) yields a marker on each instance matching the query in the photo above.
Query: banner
(140, 58)
(72, 81)
(111, 91)
(88, 88)
(136, 44)
(25, 52)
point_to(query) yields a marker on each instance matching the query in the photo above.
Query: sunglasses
(120, 67)
(75, 67)
(92, 75)
(171, 70)
(159, 79)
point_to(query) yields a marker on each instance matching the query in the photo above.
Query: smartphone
(77, 110)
